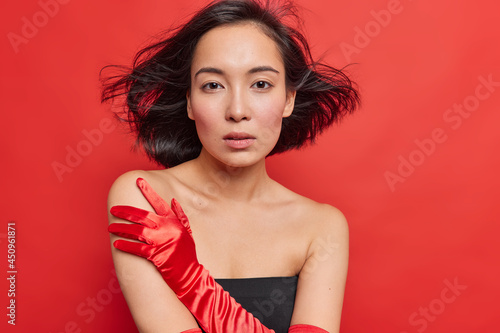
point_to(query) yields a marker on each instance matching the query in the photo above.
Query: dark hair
(156, 85)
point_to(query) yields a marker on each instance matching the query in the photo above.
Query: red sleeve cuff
(302, 328)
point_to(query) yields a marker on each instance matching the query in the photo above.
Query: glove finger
(157, 202)
(138, 249)
(177, 209)
(130, 231)
(136, 215)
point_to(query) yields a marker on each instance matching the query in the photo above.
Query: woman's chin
(240, 160)
(235, 159)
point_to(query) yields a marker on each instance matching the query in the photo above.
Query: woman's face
(238, 94)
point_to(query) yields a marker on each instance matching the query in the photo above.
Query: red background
(438, 223)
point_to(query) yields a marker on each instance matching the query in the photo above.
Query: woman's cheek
(271, 118)
(206, 123)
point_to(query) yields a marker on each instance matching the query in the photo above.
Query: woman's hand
(165, 237)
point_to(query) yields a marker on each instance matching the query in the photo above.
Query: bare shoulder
(330, 233)
(125, 186)
(328, 219)
(125, 191)
(321, 218)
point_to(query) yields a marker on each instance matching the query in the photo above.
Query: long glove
(299, 328)
(166, 240)
(302, 328)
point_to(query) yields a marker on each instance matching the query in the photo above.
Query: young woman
(210, 102)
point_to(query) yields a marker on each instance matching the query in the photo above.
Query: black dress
(269, 299)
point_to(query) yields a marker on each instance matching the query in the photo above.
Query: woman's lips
(239, 140)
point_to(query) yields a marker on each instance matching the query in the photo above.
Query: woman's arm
(320, 289)
(166, 240)
(154, 306)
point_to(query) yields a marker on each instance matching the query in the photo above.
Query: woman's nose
(237, 108)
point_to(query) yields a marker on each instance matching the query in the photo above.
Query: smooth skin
(244, 223)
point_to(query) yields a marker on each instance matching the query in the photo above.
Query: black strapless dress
(269, 299)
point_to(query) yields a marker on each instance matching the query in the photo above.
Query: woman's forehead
(237, 46)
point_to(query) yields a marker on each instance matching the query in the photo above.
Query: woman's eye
(262, 85)
(212, 86)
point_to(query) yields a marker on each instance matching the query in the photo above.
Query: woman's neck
(230, 183)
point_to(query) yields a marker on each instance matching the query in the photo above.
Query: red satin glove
(301, 328)
(167, 242)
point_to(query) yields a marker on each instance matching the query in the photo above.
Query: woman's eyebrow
(209, 70)
(263, 69)
(251, 71)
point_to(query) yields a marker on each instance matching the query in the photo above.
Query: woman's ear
(290, 103)
(189, 109)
